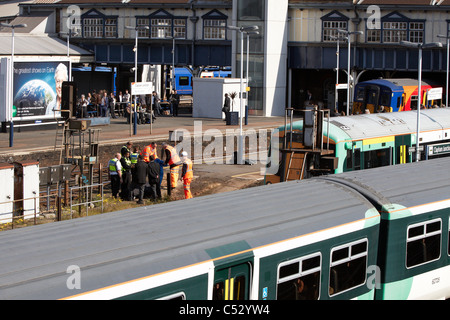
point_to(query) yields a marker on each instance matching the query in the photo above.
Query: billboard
(37, 89)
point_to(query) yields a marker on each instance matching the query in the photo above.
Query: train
(183, 78)
(391, 95)
(359, 142)
(378, 234)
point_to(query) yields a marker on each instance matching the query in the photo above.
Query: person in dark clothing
(141, 173)
(126, 177)
(153, 178)
(175, 101)
(226, 105)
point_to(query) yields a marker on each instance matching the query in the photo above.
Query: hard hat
(184, 154)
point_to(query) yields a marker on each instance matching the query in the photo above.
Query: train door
(232, 283)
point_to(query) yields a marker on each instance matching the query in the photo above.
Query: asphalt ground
(119, 131)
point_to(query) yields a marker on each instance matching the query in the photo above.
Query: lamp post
(11, 77)
(136, 29)
(242, 30)
(348, 33)
(247, 69)
(173, 60)
(69, 34)
(419, 94)
(446, 87)
(337, 70)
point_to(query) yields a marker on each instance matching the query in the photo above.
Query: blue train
(183, 78)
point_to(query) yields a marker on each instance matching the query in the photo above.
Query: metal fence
(14, 213)
(85, 197)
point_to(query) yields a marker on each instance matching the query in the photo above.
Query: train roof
(401, 186)
(393, 84)
(121, 246)
(366, 126)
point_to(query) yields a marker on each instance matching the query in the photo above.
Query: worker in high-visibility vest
(187, 174)
(134, 155)
(126, 148)
(173, 160)
(148, 151)
(115, 174)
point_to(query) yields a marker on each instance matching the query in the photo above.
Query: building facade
(293, 56)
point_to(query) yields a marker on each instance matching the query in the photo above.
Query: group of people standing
(103, 104)
(132, 168)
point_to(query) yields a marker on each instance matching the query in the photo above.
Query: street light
(173, 59)
(11, 76)
(135, 49)
(337, 70)
(242, 30)
(247, 69)
(349, 33)
(446, 89)
(419, 96)
(69, 34)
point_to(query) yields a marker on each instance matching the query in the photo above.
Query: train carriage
(215, 247)
(364, 141)
(389, 95)
(372, 234)
(414, 205)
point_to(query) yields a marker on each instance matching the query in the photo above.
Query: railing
(48, 206)
(85, 194)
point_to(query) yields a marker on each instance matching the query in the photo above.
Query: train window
(357, 159)
(349, 159)
(299, 279)
(348, 266)
(423, 242)
(377, 158)
(184, 81)
(230, 289)
(386, 99)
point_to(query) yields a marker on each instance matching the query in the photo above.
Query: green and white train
(372, 234)
(361, 142)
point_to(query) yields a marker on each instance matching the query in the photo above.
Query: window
(377, 158)
(179, 28)
(161, 28)
(348, 266)
(93, 27)
(396, 27)
(373, 35)
(97, 25)
(230, 289)
(423, 243)
(394, 32)
(416, 30)
(143, 22)
(331, 23)
(448, 244)
(111, 28)
(330, 29)
(214, 25)
(299, 279)
(214, 29)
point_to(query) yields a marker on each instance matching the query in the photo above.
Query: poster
(37, 88)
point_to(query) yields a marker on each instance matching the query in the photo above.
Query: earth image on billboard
(35, 97)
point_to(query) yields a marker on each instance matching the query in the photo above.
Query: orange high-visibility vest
(174, 158)
(148, 151)
(189, 173)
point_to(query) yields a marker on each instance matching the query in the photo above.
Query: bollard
(11, 134)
